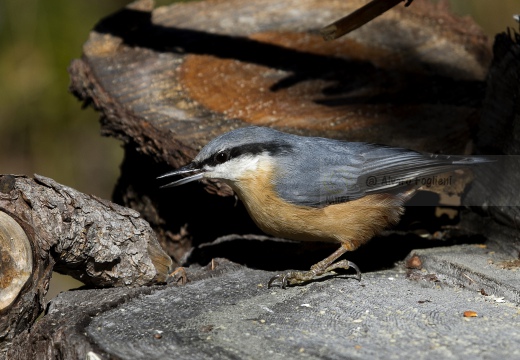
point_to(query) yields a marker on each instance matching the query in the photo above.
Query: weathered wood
(61, 334)
(95, 241)
(228, 313)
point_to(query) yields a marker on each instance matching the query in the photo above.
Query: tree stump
(168, 80)
(227, 313)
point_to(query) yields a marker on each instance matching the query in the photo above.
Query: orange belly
(350, 223)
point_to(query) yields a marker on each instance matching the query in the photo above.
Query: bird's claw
(285, 279)
(296, 277)
(355, 267)
(283, 282)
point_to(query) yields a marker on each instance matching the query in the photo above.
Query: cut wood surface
(228, 313)
(171, 79)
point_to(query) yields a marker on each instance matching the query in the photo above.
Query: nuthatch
(309, 188)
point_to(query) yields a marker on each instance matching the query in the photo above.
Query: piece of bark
(97, 242)
(359, 18)
(496, 185)
(168, 80)
(501, 109)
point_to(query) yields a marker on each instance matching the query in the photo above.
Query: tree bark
(499, 134)
(97, 242)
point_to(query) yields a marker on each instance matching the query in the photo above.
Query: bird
(316, 189)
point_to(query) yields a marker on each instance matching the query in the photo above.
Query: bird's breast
(351, 223)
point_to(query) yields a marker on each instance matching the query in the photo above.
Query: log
(171, 79)
(167, 80)
(62, 333)
(46, 226)
(228, 313)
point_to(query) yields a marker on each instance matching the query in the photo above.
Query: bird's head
(231, 155)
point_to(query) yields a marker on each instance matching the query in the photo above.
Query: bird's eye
(222, 157)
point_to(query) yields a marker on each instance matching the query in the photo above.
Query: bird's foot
(319, 269)
(180, 273)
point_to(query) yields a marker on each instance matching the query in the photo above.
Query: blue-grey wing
(323, 172)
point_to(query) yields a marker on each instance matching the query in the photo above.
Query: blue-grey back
(318, 171)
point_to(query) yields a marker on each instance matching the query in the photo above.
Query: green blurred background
(43, 128)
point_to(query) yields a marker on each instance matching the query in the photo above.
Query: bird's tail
(464, 160)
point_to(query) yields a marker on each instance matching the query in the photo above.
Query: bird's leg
(318, 269)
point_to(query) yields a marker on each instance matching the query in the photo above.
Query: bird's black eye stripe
(258, 148)
(247, 149)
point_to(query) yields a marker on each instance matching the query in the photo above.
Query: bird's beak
(190, 168)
